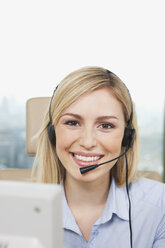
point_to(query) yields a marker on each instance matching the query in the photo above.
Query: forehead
(101, 101)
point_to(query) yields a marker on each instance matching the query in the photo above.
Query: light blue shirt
(111, 230)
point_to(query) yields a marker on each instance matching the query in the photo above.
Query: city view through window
(43, 42)
(13, 135)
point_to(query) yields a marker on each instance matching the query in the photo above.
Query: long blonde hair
(85, 80)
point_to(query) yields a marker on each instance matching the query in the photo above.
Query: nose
(87, 138)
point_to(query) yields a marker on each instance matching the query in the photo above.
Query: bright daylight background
(42, 41)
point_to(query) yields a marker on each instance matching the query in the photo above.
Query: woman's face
(90, 131)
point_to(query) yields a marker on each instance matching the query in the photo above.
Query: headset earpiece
(129, 133)
(129, 136)
(51, 134)
(50, 127)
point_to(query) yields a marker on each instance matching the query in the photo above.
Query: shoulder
(149, 191)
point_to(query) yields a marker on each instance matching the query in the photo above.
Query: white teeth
(88, 159)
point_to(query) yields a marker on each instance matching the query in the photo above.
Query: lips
(86, 159)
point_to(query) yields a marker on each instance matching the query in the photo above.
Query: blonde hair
(85, 80)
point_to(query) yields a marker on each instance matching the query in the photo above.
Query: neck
(79, 192)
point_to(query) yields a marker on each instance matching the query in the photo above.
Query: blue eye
(106, 126)
(71, 123)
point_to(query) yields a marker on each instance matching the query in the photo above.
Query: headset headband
(129, 133)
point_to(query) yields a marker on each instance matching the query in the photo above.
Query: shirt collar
(68, 218)
(117, 203)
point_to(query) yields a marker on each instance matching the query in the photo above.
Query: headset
(127, 142)
(129, 133)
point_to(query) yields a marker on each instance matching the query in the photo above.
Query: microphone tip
(84, 170)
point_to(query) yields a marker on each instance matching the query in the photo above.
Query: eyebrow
(99, 118)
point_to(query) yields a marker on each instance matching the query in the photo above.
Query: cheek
(64, 138)
(113, 143)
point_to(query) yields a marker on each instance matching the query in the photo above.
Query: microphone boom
(84, 170)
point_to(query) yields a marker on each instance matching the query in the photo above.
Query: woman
(90, 116)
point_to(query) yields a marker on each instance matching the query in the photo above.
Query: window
(42, 42)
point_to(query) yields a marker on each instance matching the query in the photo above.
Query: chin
(94, 175)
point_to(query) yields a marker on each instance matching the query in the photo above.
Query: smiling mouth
(86, 160)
